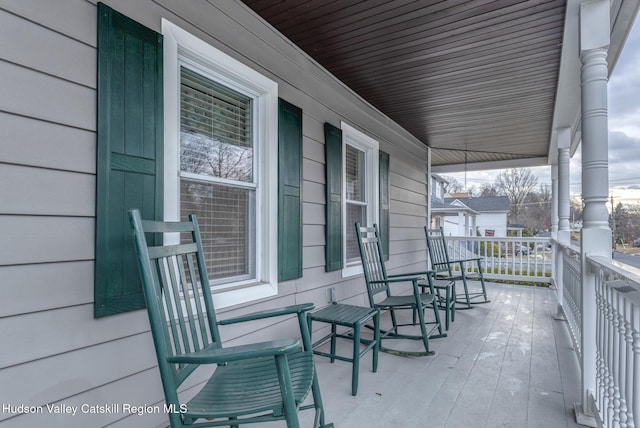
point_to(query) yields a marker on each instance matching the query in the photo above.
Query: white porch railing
(512, 259)
(617, 395)
(616, 400)
(570, 280)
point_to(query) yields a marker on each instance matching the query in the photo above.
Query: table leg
(376, 338)
(333, 341)
(356, 359)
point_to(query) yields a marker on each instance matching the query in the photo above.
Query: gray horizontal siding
(47, 133)
(40, 191)
(42, 49)
(42, 286)
(32, 142)
(73, 18)
(313, 214)
(43, 239)
(31, 93)
(49, 331)
(74, 372)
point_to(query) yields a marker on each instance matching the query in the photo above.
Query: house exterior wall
(453, 225)
(58, 352)
(484, 221)
(493, 221)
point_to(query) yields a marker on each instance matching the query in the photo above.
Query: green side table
(353, 317)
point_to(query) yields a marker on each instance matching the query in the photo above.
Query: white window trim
(361, 141)
(179, 47)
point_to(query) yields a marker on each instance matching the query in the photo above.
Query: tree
(627, 222)
(453, 185)
(516, 184)
(535, 213)
(575, 209)
(200, 154)
(488, 190)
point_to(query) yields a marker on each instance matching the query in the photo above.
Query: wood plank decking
(507, 363)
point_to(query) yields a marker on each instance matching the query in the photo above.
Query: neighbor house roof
(483, 204)
(450, 209)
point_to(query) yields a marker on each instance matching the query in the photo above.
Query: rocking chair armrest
(415, 283)
(467, 260)
(287, 310)
(412, 274)
(236, 353)
(414, 279)
(393, 280)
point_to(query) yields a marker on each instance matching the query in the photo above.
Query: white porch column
(466, 225)
(474, 225)
(554, 201)
(563, 231)
(556, 266)
(594, 43)
(564, 144)
(461, 221)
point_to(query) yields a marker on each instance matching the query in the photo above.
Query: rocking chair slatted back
(438, 252)
(372, 261)
(455, 270)
(266, 381)
(181, 296)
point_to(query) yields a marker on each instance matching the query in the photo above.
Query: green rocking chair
(259, 382)
(380, 295)
(455, 270)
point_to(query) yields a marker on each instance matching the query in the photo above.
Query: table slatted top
(343, 314)
(437, 282)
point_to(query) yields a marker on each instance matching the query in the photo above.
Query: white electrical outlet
(332, 295)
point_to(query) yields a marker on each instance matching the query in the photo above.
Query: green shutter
(129, 153)
(289, 191)
(383, 225)
(333, 175)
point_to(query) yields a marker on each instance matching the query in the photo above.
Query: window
(360, 172)
(219, 116)
(217, 179)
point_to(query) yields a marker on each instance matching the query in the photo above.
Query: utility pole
(613, 225)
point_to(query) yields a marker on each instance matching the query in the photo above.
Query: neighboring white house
(462, 215)
(491, 217)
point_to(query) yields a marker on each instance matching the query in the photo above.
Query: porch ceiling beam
(480, 166)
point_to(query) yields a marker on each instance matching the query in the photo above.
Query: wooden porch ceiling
(475, 80)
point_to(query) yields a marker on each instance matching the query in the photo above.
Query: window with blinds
(217, 173)
(356, 200)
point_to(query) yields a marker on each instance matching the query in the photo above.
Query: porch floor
(506, 363)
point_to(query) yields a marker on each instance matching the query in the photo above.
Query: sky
(624, 133)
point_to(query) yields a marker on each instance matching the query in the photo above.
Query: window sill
(352, 271)
(243, 295)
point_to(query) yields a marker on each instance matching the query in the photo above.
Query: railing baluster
(604, 355)
(609, 354)
(622, 361)
(615, 352)
(600, 326)
(628, 336)
(636, 362)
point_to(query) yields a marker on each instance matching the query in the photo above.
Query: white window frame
(182, 47)
(361, 141)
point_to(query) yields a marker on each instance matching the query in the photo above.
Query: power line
(578, 182)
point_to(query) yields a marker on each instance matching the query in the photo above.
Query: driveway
(627, 258)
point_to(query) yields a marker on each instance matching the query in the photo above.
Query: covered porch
(445, 86)
(519, 107)
(508, 363)
(517, 361)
